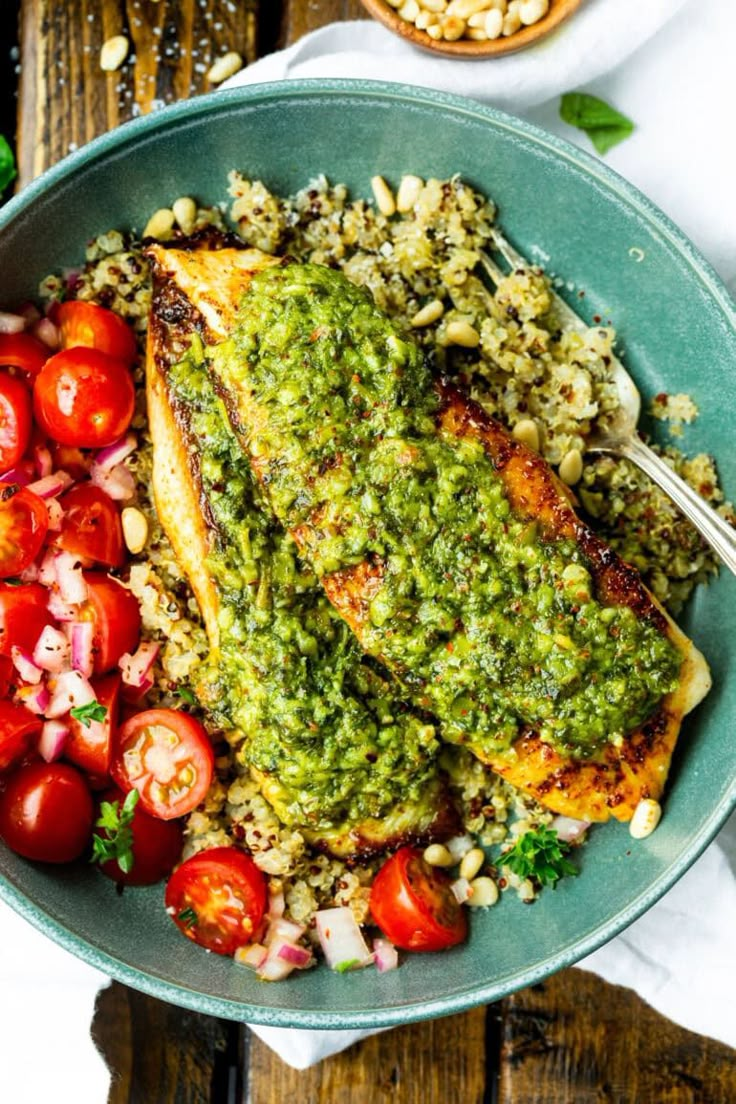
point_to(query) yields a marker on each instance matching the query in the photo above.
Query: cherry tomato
(70, 459)
(116, 616)
(23, 351)
(167, 756)
(83, 323)
(414, 906)
(46, 813)
(89, 745)
(23, 615)
(24, 522)
(15, 420)
(18, 726)
(217, 899)
(84, 397)
(6, 675)
(91, 526)
(156, 846)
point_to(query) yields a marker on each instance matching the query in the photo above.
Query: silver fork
(620, 437)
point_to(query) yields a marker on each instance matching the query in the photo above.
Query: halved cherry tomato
(116, 616)
(156, 846)
(23, 351)
(18, 726)
(6, 675)
(23, 615)
(91, 526)
(83, 323)
(166, 755)
(70, 459)
(24, 522)
(89, 745)
(46, 813)
(414, 906)
(84, 397)
(217, 899)
(15, 420)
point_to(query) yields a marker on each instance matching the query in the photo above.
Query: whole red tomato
(84, 397)
(83, 323)
(15, 420)
(151, 849)
(46, 813)
(18, 727)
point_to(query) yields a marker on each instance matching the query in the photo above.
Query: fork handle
(711, 526)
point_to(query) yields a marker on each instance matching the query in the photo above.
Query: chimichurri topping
(491, 627)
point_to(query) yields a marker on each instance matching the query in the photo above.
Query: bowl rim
(250, 95)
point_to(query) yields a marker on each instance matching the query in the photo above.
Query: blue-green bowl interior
(676, 327)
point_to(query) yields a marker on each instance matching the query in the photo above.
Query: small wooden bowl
(559, 11)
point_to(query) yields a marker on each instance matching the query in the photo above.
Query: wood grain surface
(573, 1040)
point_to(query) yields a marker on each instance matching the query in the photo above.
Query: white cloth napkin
(680, 90)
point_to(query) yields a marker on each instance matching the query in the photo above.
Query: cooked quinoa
(511, 352)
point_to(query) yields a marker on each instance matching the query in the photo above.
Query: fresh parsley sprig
(604, 125)
(86, 714)
(7, 165)
(539, 855)
(117, 841)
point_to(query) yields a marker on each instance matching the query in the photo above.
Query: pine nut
(409, 188)
(409, 11)
(571, 467)
(436, 6)
(435, 31)
(225, 66)
(499, 5)
(429, 313)
(396, 3)
(484, 892)
(160, 224)
(135, 529)
(383, 196)
(114, 53)
(462, 333)
(453, 28)
(527, 432)
(494, 23)
(647, 816)
(478, 21)
(472, 862)
(466, 8)
(185, 213)
(438, 855)
(423, 20)
(531, 11)
(512, 19)
(476, 34)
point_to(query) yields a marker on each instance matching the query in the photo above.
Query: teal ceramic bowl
(678, 328)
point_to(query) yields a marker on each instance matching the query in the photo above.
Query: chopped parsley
(117, 842)
(86, 714)
(604, 125)
(7, 165)
(349, 964)
(186, 695)
(540, 855)
(187, 917)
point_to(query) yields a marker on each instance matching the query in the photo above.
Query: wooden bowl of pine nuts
(472, 28)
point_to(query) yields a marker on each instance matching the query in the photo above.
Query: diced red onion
(461, 888)
(30, 574)
(47, 568)
(81, 635)
(22, 474)
(52, 739)
(47, 332)
(118, 482)
(293, 953)
(276, 904)
(52, 650)
(56, 514)
(254, 955)
(108, 457)
(341, 939)
(385, 955)
(274, 969)
(43, 461)
(279, 928)
(25, 666)
(72, 279)
(51, 485)
(35, 698)
(59, 608)
(72, 689)
(72, 586)
(568, 829)
(136, 667)
(11, 323)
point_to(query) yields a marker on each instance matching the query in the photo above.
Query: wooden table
(572, 1040)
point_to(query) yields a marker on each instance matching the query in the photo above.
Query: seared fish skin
(320, 730)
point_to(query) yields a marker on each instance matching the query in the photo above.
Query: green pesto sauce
(290, 677)
(490, 627)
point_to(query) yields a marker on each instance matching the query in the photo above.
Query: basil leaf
(86, 714)
(604, 125)
(7, 165)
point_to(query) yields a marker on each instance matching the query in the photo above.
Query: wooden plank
(161, 1054)
(577, 1040)
(301, 16)
(429, 1063)
(65, 98)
